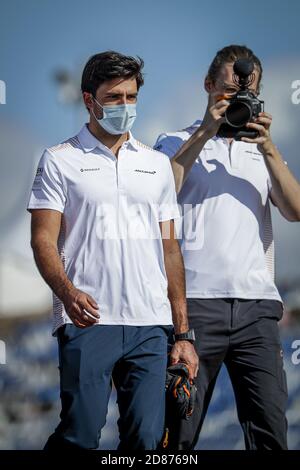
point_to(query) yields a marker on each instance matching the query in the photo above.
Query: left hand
(261, 124)
(184, 351)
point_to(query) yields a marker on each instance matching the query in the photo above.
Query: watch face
(189, 335)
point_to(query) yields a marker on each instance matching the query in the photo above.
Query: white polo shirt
(226, 230)
(110, 242)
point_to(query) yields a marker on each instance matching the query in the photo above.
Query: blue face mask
(117, 119)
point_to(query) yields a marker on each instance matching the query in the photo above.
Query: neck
(113, 142)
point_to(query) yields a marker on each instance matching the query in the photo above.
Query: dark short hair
(108, 65)
(231, 54)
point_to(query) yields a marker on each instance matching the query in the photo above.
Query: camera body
(244, 105)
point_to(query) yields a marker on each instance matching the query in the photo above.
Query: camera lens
(238, 114)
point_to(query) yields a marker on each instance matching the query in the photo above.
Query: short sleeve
(269, 183)
(168, 206)
(47, 190)
(169, 145)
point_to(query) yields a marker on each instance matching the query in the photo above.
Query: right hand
(81, 308)
(214, 115)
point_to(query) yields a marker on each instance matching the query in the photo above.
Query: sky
(177, 41)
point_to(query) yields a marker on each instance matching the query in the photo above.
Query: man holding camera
(227, 170)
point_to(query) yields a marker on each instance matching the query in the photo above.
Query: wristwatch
(188, 336)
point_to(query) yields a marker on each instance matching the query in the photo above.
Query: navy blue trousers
(135, 357)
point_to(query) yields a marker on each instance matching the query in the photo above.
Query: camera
(244, 105)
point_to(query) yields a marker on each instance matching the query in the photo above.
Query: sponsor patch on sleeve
(38, 178)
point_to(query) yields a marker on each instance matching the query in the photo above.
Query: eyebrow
(117, 93)
(234, 87)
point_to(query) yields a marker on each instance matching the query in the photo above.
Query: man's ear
(88, 100)
(208, 84)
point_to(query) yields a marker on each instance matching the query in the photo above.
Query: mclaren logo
(89, 169)
(146, 171)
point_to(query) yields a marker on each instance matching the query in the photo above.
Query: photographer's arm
(184, 159)
(285, 191)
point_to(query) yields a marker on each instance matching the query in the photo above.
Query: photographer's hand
(261, 124)
(186, 156)
(214, 115)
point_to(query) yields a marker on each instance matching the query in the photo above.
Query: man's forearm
(186, 156)
(51, 268)
(285, 187)
(176, 289)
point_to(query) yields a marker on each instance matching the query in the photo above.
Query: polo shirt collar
(89, 142)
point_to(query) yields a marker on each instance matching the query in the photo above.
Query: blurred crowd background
(43, 48)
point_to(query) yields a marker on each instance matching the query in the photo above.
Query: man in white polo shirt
(224, 187)
(103, 238)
